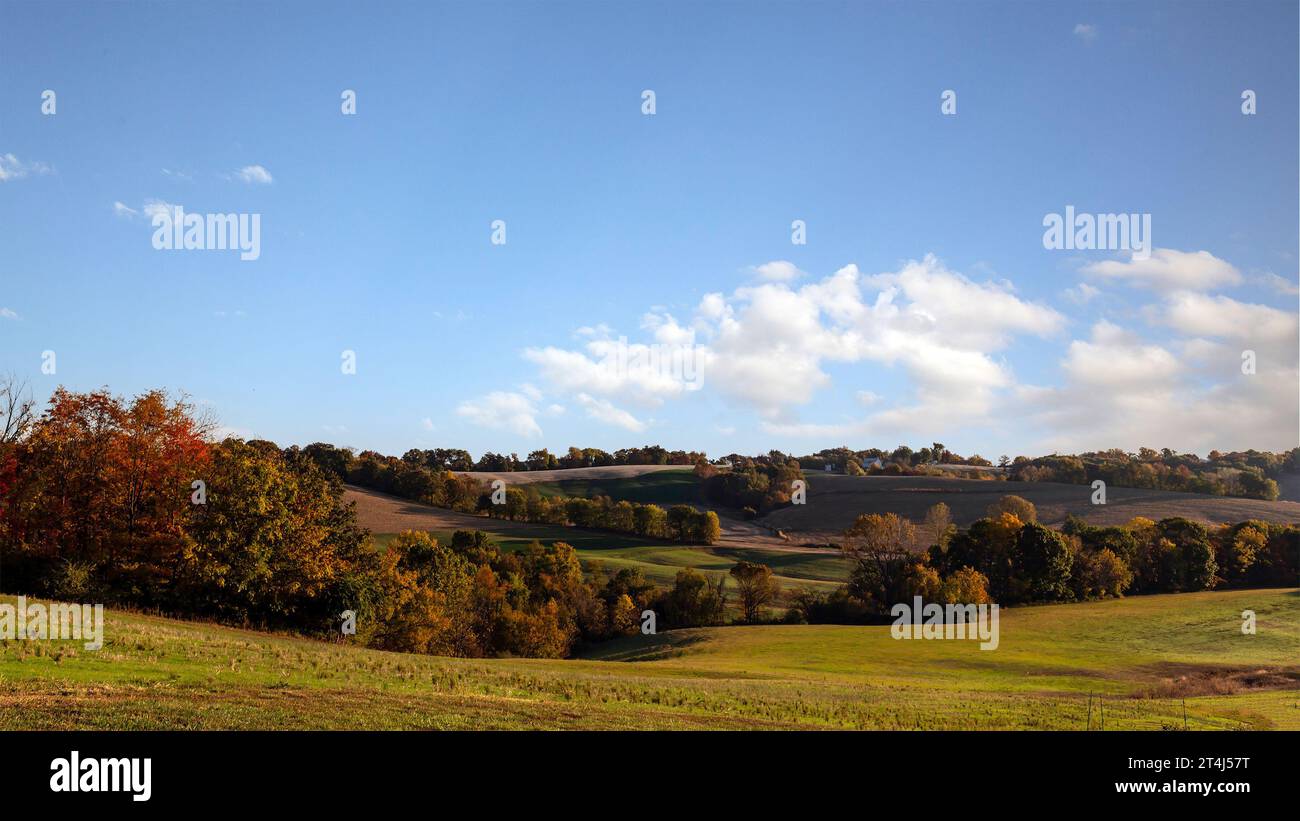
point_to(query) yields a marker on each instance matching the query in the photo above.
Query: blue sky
(955, 324)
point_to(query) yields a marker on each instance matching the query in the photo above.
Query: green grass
(665, 487)
(1144, 655)
(660, 561)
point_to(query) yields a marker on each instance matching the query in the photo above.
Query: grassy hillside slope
(1144, 655)
(658, 560)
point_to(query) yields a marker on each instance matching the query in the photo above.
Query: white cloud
(1169, 270)
(254, 175)
(777, 271)
(599, 331)
(1280, 284)
(1121, 391)
(602, 410)
(1115, 359)
(150, 209)
(154, 208)
(1087, 32)
(1082, 294)
(666, 330)
(775, 347)
(426, 423)
(768, 343)
(8, 313)
(1220, 316)
(765, 347)
(503, 410)
(608, 367)
(12, 168)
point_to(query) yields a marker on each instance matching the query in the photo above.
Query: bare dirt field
(381, 513)
(835, 501)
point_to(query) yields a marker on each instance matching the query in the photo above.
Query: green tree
(694, 600)
(1041, 564)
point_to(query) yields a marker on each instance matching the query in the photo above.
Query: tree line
(1008, 557)
(416, 477)
(543, 459)
(680, 523)
(1248, 474)
(131, 503)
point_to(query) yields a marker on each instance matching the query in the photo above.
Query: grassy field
(1144, 655)
(659, 560)
(665, 487)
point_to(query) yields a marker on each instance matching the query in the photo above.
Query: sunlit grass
(1137, 659)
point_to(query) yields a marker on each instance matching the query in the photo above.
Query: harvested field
(571, 474)
(834, 501)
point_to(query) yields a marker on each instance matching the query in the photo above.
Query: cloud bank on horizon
(763, 348)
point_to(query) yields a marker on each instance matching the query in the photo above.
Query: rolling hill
(1144, 656)
(834, 501)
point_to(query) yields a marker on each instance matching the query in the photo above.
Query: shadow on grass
(666, 645)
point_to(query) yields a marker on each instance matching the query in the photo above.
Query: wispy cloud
(1087, 32)
(150, 209)
(12, 168)
(602, 410)
(153, 208)
(254, 175)
(1280, 284)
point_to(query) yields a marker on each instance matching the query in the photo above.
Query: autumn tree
(1018, 506)
(103, 486)
(880, 546)
(965, 586)
(939, 526)
(272, 540)
(756, 587)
